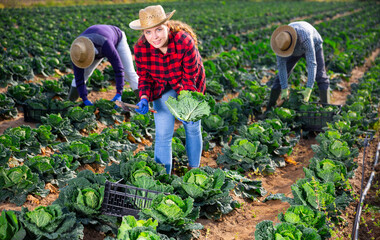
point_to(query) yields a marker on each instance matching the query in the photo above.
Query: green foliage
(80, 151)
(175, 216)
(44, 135)
(21, 92)
(332, 146)
(24, 140)
(210, 190)
(7, 107)
(54, 169)
(245, 187)
(62, 127)
(84, 195)
(82, 118)
(244, 155)
(319, 196)
(108, 114)
(132, 229)
(17, 182)
(51, 222)
(305, 216)
(144, 172)
(266, 231)
(10, 227)
(189, 106)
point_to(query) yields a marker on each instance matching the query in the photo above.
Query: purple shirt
(105, 39)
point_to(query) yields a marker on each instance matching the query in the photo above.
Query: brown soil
(240, 223)
(339, 97)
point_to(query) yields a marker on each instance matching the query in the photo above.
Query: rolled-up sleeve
(282, 72)
(190, 65)
(311, 62)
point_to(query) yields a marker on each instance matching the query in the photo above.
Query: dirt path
(240, 224)
(340, 97)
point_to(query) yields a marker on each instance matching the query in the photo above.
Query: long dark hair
(176, 26)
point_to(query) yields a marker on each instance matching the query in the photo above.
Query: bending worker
(291, 43)
(89, 49)
(167, 62)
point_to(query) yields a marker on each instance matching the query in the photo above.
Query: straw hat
(149, 17)
(82, 52)
(283, 41)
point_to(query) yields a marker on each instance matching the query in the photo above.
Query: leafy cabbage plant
(17, 182)
(7, 107)
(327, 170)
(53, 169)
(210, 190)
(132, 229)
(145, 173)
(175, 216)
(51, 222)
(245, 187)
(84, 195)
(244, 155)
(189, 106)
(303, 215)
(24, 138)
(332, 146)
(10, 227)
(266, 231)
(319, 196)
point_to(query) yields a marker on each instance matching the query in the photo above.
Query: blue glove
(184, 122)
(143, 106)
(117, 97)
(88, 103)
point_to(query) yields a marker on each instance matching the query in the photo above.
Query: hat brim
(90, 48)
(288, 52)
(136, 24)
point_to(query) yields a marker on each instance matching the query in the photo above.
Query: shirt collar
(171, 47)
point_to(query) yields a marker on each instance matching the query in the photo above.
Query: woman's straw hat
(149, 17)
(283, 41)
(82, 52)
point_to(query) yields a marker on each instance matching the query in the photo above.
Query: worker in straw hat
(291, 43)
(167, 62)
(88, 50)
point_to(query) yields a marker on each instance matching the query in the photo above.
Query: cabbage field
(276, 178)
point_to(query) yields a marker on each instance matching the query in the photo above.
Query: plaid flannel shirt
(181, 67)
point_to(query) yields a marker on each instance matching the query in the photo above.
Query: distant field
(34, 3)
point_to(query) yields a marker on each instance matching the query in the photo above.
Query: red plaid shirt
(181, 66)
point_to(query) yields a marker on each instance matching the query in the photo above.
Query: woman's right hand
(143, 106)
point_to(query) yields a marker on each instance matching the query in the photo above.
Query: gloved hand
(117, 97)
(88, 103)
(284, 93)
(185, 123)
(306, 94)
(143, 106)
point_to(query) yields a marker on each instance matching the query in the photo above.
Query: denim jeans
(126, 58)
(164, 122)
(321, 77)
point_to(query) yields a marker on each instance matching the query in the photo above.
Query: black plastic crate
(34, 115)
(120, 199)
(316, 120)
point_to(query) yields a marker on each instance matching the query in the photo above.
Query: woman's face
(158, 36)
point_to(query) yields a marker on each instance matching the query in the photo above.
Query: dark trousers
(321, 77)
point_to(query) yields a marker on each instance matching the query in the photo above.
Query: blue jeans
(164, 122)
(321, 77)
